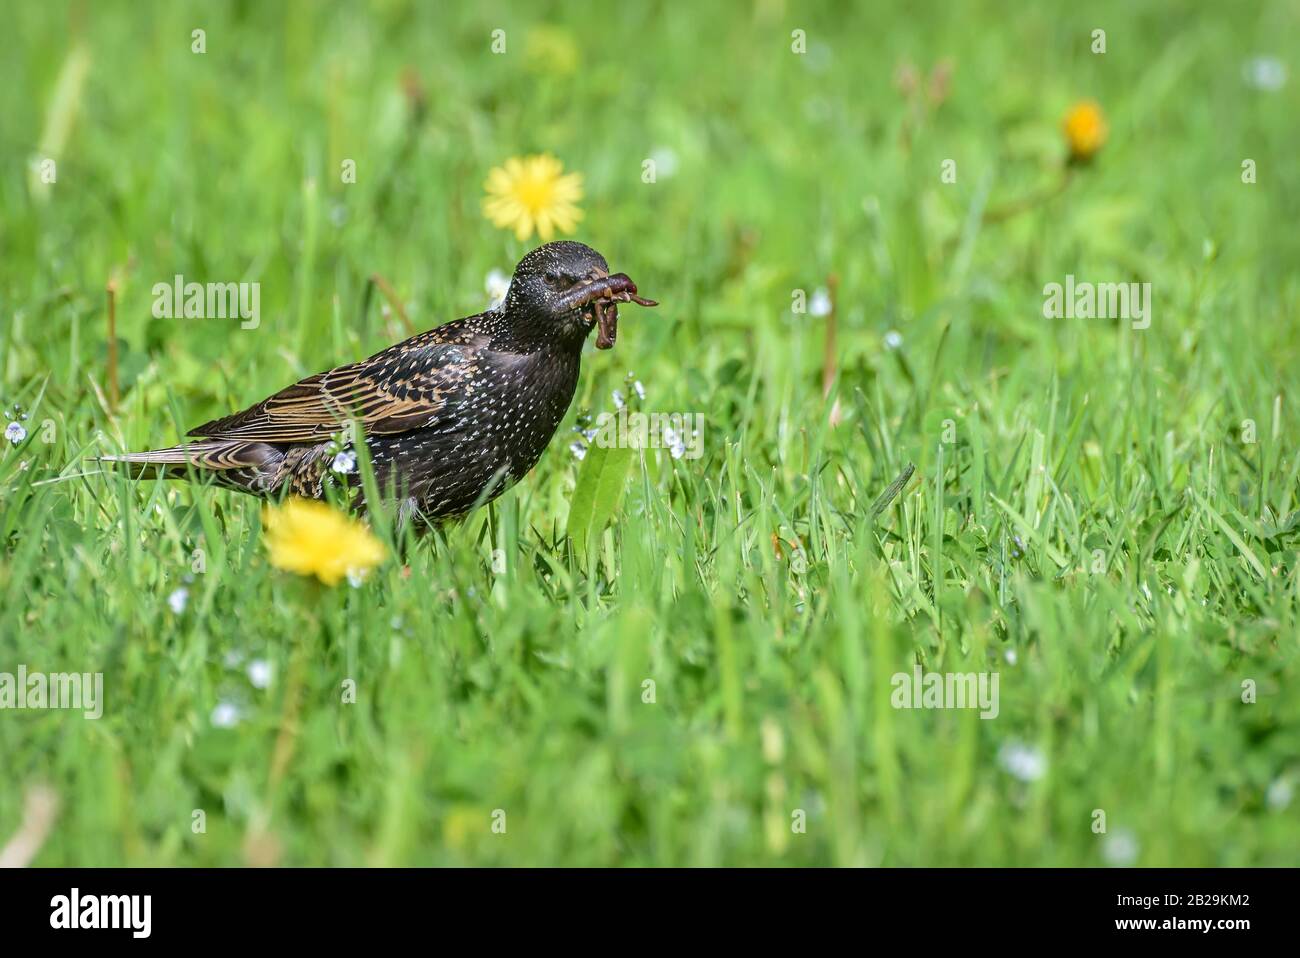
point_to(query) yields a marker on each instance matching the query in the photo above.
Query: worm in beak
(604, 293)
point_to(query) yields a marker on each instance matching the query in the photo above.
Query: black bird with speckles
(451, 417)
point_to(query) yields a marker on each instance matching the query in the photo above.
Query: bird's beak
(604, 293)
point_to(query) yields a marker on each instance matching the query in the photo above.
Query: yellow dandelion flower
(533, 193)
(310, 538)
(1085, 129)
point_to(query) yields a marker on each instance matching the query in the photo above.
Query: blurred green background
(752, 585)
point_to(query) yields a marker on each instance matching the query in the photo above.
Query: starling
(451, 417)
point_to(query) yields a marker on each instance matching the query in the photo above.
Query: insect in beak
(604, 293)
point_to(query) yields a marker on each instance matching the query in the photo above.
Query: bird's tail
(206, 455)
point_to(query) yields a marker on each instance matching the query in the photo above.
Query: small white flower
(497, 285)
(259, 673)
(579, 450)
(638, 389)
(1279, 794)
(820, 304)
(1264, 73)
(225, 715)
(177, 600)
(665, 160)
(1022, 761)
(619, 401)
(345, 462)
(1010, 656)
(15, 432)
(356, 577)
(1119, 847)
(893, 339)
(676, 444)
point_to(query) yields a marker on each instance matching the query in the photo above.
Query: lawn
(850, 219)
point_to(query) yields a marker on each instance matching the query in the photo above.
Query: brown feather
(401, 388)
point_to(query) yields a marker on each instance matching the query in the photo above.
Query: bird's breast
(502, 420)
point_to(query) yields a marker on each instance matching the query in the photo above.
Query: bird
(450, 418)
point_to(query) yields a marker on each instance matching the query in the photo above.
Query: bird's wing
(404, 387)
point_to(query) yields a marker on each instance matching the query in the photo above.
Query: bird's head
(561, 291)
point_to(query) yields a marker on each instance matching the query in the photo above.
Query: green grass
(522, 689)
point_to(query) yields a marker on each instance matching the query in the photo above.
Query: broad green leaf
(601, 481)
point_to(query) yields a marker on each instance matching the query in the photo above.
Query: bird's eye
(558, 280)
(552, 279)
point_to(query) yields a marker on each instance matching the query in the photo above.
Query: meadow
(849, 218)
